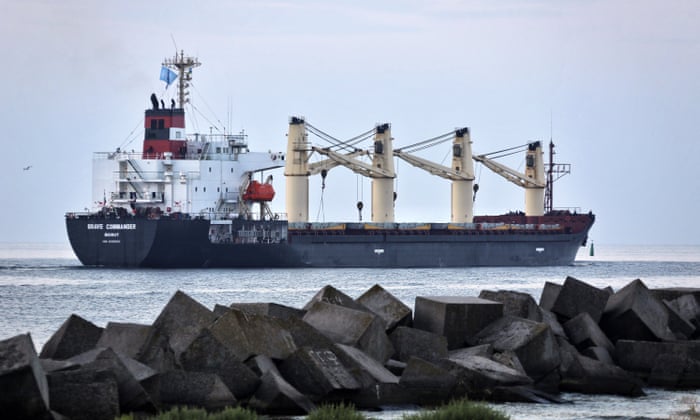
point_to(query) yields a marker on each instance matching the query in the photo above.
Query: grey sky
(617, 81)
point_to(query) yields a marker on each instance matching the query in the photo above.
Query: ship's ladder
(137, 171)
(205, 150)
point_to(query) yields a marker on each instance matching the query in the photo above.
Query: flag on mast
(167, 75)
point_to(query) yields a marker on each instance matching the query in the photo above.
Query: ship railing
(573, 210)
(235, 216)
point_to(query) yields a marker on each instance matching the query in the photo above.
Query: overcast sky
(616, 84)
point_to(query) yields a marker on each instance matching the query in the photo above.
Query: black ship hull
(184, 242)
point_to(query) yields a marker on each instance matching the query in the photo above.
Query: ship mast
(183, 65)
(554, 172)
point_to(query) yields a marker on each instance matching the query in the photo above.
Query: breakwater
(371, 351)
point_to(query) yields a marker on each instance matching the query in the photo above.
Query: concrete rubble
(373, 351)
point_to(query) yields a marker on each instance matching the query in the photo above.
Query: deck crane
(461, 173)
(298, 169)
(381, 170)
(533, 180)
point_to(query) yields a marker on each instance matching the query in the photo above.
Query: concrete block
(549, 295)
(124, 338)
(24, 391)
(667, 371)
(672, 293)
(412, 342)
(274, 310)
(573, 298)
(429, 377)
(181, 321)
(515, 303)
(76, 335)
(207, 354)
(640, 356)
(138, 370)
(691, 375)
(510, 359)
(633, 313)
(524, 394)
(602, 378)
(50, 365)
(330, 294)
(363, 367)
(570, 367)
(584, 332)
(688, 307)
(157, 353)
(85, 393)
(598, 353)
(199, 389)
(680, 326)
(395, 366)
(261, 365)
(458, 318)
(426, 383)
(549, 318)
(533, 343)
(276, 396)
(379, 396)
(246, 335)
(317, 373)
(220, 310)
(483, 350)
(305, 335)
(363, 330)
(390, 309)
(476, 375)
(132, 396)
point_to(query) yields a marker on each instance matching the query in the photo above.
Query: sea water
(43, 284)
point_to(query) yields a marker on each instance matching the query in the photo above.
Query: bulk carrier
(192, 200)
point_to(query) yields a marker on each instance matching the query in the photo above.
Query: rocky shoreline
(373, 351)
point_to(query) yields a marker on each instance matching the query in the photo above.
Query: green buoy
(591, 252)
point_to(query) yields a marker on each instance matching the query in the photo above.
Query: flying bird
(26, 168)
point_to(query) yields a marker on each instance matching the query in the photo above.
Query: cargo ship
(202, 200)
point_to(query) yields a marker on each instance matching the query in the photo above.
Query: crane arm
(434, 168)
(509, 174)
(328, 164)
(355, 165)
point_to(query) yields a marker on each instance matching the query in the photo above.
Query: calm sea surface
(42, 284)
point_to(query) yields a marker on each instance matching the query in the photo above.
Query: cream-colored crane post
(534, 170)
(296, 172)
(462, 189)
(383, 186)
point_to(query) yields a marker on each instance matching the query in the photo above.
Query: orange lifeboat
(259, 192)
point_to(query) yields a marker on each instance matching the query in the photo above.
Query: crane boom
(461, 174)
(434, 168)
(533, 180)
(517, 178)
(354, 165)
(328, 164)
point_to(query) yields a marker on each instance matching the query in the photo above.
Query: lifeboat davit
(259, 192)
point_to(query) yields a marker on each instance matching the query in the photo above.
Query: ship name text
(111, 226)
